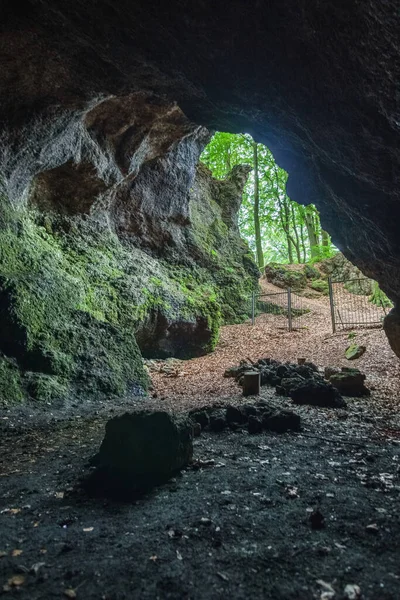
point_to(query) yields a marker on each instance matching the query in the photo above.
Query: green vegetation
(276, 228)
(378, 297)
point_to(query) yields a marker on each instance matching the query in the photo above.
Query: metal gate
(351, 306)
(286, 307)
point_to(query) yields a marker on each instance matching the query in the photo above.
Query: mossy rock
(311, 272)
(283, 276)
(320, 285)
(354, 351)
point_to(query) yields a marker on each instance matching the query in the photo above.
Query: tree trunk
(312, 236)
(257, 228)
(296, 234)
(325, 238)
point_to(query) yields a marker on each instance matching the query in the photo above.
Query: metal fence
(286, 308)
(351, 306)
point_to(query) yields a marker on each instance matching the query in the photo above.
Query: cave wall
(93, 275)
(93, 95)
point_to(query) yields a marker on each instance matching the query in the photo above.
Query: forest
(276, 228)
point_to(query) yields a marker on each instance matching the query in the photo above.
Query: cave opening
(134, 461)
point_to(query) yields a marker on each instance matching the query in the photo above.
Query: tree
(276, 228)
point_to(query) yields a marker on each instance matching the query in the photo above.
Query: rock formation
(99, 100)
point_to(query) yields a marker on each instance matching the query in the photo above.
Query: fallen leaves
(352, 592)
(14, 582)
(70, 593)
(16, 552)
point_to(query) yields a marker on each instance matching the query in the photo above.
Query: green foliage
(352, 335)
(320, 285)
(289, 232)
(378, 297)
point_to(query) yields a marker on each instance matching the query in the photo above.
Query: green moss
(61, 311)
(11, 385)
(311, 272)
(320, 285)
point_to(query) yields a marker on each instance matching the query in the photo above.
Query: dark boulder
(141, 450)
(218, 421)
(235, 414)
(281, 421)
(201, 417)
(317, 393)
(350, 382)
(255, 425)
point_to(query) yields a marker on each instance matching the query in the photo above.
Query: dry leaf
(59, 495)
(179, 555)
(70, 593)
(16, 552)
(16, 580)
(43, 551)
(154, 558)
(88, 529)
(352, 592)
(328, 592)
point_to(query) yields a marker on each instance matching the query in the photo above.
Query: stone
(329, 371)
(350, 382)
(218, 421)
(235, 414)
(281, 421)
(317, 393)
(143, 449)
(354, 351)
(196, 430)
(288, 384)
(250, 410)
(255, 425)
(201, 417)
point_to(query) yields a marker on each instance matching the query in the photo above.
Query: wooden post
(253, 308)
(251, 383)
(332, 303)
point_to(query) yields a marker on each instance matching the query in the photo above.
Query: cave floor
(235, 524)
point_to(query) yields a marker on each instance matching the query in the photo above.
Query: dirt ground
(238, 522)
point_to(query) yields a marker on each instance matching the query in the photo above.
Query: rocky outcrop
(147, 264)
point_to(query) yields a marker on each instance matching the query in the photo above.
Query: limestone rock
(143, 449)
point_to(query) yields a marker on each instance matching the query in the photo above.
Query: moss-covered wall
(79, 303)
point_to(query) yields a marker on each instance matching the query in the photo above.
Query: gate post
(253, 308)
(289, 295)
(332, 303)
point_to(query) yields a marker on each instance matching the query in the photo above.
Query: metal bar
(332, 303)
(289, 294)
(253, 308)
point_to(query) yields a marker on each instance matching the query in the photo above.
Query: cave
(118, 245)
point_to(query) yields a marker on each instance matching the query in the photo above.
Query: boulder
(143, 449)
(235, 414)
(317, 393)
(281, 421)
(329, 371)
(350, 382)
(354, 351)
(255, 425)
(201, 417)
(218, 421)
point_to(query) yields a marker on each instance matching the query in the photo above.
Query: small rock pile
(302, 383)
(255, 418)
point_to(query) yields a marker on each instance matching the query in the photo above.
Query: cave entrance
(276, 228)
